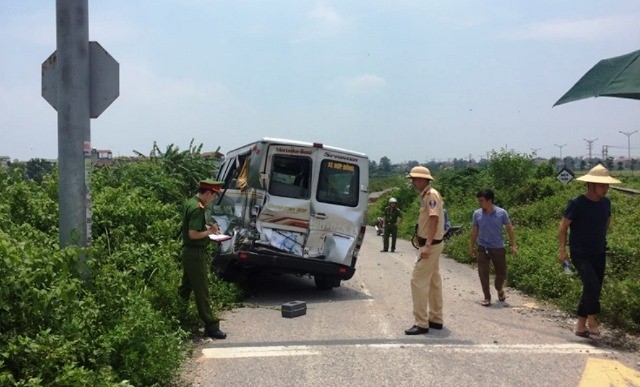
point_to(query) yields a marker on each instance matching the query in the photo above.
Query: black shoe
(435, 325)
(216, 334)
(393, 250)
(416, 330)
(383, 251)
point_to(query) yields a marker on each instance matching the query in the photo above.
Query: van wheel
(326, 283)
(229, 272)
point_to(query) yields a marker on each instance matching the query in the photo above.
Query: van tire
(326, 283)
(229, 272)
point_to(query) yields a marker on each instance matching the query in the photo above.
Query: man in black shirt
(588, 217)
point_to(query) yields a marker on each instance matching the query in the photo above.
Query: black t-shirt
(588, 224)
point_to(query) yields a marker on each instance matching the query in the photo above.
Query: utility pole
(74, 127)
(628, 134)
(80, 80)
(561, 146)
(605, 152)
(590, 147)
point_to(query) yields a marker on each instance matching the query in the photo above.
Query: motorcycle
(449, 232)
(379, 226)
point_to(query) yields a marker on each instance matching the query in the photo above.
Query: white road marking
(305, 350)
(278, 350)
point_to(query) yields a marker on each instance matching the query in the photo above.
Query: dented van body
(292, 207)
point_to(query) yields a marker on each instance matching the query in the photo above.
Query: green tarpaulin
(613, 77)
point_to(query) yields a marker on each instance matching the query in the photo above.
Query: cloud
(325, 21)
(326, 15)
(603, 28)
(364, 84)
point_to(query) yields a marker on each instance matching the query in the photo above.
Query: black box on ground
(294, 309)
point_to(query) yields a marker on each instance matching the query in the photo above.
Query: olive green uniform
(391, 216)
(195, 263)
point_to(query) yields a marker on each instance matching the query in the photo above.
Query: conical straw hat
(599, 174)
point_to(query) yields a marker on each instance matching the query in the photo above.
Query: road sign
(565, 175)
(104, 75)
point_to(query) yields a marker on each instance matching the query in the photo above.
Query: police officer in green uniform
(392, 216)
(195, 260)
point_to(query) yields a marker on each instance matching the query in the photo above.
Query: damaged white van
(292, 207)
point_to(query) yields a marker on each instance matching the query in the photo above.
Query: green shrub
(121, 327)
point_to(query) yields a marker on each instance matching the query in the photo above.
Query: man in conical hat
(588, 217)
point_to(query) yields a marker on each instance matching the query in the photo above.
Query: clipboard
(219, 237)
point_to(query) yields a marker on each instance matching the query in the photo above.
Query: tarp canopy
(613, 77)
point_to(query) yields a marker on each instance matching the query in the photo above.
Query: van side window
(339, 183)
(232, 169)
(290, 176)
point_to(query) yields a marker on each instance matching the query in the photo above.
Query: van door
(284, 218)
(337, 211)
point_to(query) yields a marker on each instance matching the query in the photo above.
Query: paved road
(354, 335)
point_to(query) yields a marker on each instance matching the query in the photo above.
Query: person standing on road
(426, 282)
(392, 218)
(486, 236)
(588, 216)
(195, 260)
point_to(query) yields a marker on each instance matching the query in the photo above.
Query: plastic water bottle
(566, 267)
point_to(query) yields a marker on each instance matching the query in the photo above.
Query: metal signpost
(80, 80)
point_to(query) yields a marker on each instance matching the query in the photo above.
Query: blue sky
(410, 80)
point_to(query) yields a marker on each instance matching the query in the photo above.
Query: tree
(583, 165)
(36, 169)
(412, 163)
(609, 163)
(545, 170)
(385, 164)
(373, 167)
(510, 170)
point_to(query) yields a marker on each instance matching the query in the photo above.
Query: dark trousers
(389, 230)
(195, 270)
(499, 259)
(591, 268)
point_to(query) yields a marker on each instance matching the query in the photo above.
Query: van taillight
(243, 255)
(342, 270)
(318, 145)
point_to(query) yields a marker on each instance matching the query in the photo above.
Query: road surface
(354, 335)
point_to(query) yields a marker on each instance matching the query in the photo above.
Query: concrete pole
(74, 132)
(628, 134)
(561, 159)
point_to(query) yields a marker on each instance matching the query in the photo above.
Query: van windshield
(338, 183)
(290, 176)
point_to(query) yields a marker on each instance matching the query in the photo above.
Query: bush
(121, 327)
(535, 208)
(509, 170)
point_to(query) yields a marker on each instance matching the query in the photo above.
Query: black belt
(423, 241)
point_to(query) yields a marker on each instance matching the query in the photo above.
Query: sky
(406, 79)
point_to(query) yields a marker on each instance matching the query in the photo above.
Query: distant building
(217, 157)
(4, 161)
(101, 157)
